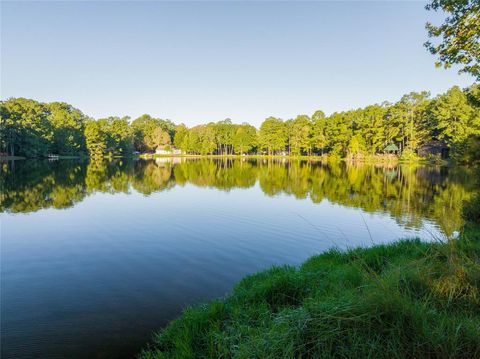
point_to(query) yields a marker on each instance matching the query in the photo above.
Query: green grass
(409, 299)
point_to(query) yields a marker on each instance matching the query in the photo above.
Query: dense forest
(451, 120)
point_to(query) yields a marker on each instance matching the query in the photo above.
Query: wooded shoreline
(417, 126)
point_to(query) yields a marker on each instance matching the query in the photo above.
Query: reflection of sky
(113, 268)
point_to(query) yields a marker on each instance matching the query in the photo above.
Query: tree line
(33, 129)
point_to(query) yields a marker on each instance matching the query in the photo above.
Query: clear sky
(197, 62)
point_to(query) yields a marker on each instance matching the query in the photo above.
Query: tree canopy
(35, 129)
(457, 40)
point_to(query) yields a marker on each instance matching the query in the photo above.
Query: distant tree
(26, 130)
(68, 128)
(96, 139)
(119, 135)
(299, 135)
(455, 119)
(319, 140)
(244, 138)
(409, 120)
(339, 131)
(144, 127)
(357, 145)
(201, 140)
(224, 133)
(181, 131)
(272, 135)
(459, 35)
(369, 126)
(157, 138)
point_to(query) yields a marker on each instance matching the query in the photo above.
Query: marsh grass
(409, 299)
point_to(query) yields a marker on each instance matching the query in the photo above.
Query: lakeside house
(434, 148)
(167, 150)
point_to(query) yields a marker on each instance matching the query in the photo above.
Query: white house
(167, 150)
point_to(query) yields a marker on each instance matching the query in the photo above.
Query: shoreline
(405, 299)
(323, 159)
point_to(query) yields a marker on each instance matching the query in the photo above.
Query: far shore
(371, 159)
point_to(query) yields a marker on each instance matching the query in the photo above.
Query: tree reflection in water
(408, 193)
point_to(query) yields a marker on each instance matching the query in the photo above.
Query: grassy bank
(404, 300)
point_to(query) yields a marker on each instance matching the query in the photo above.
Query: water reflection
(409, 194)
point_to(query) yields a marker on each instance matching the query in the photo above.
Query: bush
(471, 209)
(409, 155)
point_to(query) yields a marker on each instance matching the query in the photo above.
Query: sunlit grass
(405, 300)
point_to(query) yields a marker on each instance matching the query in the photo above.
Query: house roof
(391, 147)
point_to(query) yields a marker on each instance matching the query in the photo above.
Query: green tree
(455, 119)
(95, 138)
(119, 134)
(410, 121)
(181, 131)
(244, 138)
(26, 130)
(299, 133)
(68, 127)
(319, 138)
(272, 135)
(144, 127)
(201, 140)
(224, 133)
(158, 137)
(339, 131)
(357, 145)
(459, 35)
(369, 127)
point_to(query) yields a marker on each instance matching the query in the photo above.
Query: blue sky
(197, 62)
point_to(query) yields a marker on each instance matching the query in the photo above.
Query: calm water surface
(96, 256)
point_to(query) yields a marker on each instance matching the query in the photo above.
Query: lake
(97, 256)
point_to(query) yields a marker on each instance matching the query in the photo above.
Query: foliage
(181, 132)
(31, 129)
(459, 35)
(453, 117)
(244, 139)
(404, 300)
(200, 140)
(272, 135)
(157, 138)
(409, 155)
(68, 124)
(149, 133)
(25, 129)
(471, 209)
(119, 135)
(96, 139)
(318, 136)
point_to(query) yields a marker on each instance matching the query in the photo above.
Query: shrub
(471, 209)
